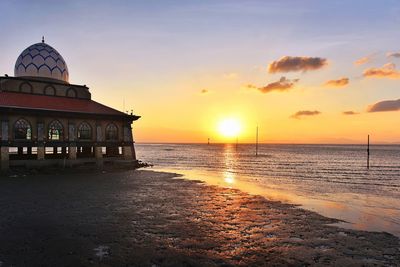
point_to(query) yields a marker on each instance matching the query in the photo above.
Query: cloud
(204, 91)
(230, 76)
(283, 84)
(251, 86)
(387, 105)
(363, 60)
(287, 63)
(389, 66)
(337, 83)
(350, 112)
(302, 113)
(393, 54)
(386, 71)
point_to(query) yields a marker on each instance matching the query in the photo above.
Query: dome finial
(42, 39)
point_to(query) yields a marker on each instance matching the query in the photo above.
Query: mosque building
(45, 120)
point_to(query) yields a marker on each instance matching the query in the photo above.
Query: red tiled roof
(53, 103)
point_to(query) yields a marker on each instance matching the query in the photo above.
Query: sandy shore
(145, 218)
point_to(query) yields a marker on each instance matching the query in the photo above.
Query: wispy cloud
(393, 54)
(337, 83)
(204, 91)
(259, 68)
(387, 105)
(350, 112)
(363, 60)
(288, 63)
(251, 86)
(305, 113)
(386, 71)
(283, 84)
(230, 76)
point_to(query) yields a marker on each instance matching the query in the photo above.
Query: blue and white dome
(41, 60)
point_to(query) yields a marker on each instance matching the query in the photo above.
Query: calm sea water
(330, 179)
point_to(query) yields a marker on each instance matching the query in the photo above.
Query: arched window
(111, 132)
(56, 130)
(25, 87)
(84, 131)
(22, 130)
(49, 90)
(71, 92)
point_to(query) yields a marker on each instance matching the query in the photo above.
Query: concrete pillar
(72, 153)
(40, 153)
(133, 147)
(133, 151)
(99, 156)
(4, 155)
(98, 153)
(127, 152)
(4, 159)
(72, 145)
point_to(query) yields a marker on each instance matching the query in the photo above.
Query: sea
(332, 180)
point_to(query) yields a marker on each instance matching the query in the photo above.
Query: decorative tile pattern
(41, 60)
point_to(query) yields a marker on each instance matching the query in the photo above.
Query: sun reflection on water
(229, 177)
(230, 162)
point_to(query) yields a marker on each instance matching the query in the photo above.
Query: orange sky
(185, 66)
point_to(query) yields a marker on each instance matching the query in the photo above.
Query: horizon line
(266, 143)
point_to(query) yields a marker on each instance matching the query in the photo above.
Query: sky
(303, 71)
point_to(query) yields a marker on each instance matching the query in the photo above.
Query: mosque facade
(45, 120)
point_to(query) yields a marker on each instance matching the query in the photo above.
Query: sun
(229, 127)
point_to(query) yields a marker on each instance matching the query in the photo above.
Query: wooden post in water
(257, 141)
(208, 142)
(237, 141)
(368, 154)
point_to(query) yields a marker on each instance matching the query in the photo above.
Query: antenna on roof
(42, 39)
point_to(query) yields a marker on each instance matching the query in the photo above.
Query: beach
(331, 180)
(148, 218)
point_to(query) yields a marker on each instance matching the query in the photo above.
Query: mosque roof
(54, 103)
(41, 60)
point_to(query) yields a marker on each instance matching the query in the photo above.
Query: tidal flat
(147, 218)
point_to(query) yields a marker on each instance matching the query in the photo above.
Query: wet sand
(146, 218)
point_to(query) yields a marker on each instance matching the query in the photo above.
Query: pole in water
(257, 141)
(368, 154)
(208, 142)
(237, 141)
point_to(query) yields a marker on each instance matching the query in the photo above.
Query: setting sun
(229, 127)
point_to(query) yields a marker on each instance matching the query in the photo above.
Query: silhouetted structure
(368, 154)
(257, 141)
(45, 120)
